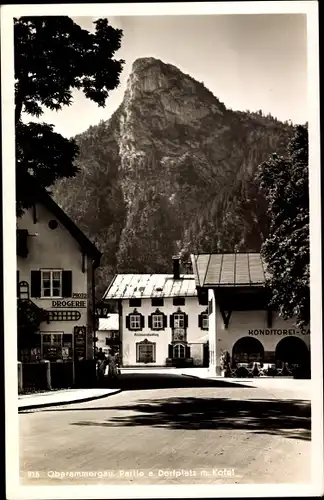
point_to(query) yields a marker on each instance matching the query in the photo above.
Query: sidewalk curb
(72, 401)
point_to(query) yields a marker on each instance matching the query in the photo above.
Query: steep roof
(232, 269)
(40, 195)
(128, 286)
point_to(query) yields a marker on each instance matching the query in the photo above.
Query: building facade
(55, 278)
(108, 338)
(240, 321)
(161, 322)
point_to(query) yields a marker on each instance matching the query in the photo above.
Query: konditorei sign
(290, 331)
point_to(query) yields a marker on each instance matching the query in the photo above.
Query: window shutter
(165, 321)
(142, 321)
(187, 348)
(171, 321)
(185, 320)
(170, 351)
(127, 322)
(35, 284)
(150, 321)
(67, 283)
(200, 320)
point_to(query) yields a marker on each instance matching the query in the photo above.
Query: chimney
(176, 267)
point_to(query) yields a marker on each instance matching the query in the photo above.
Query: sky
(249, 62)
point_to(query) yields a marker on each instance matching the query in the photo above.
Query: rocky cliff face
(172, 170)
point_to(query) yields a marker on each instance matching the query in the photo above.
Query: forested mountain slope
(171, 171)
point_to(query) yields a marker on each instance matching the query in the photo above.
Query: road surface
(171, 429)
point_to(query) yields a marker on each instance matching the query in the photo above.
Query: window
(135, 321)
(157, 321)
(204, 321)
(179, 351)
(178, 320)
(178, 301)
(51, 283)
(46, 338)
(52, 338)
(145, 352)
(51, 344)
(157, 301)
(135, 302)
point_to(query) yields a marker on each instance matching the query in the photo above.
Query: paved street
(170, 429)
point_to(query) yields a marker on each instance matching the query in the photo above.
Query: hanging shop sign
(69, 303)
(79, 337)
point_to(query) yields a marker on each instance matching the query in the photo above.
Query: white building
(161, 322)
(240, 321)
(56, 264)
(108, 333)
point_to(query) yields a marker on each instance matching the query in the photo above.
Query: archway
(292, 350)
(247, 350)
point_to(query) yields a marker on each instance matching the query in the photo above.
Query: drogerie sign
(69, 303)
(291, 331)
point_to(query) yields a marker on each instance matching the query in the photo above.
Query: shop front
(247, 337)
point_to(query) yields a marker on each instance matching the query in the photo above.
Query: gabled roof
(128, 286)
(40, 195)
(232, 269)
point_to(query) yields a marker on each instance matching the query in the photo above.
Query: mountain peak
(144, 63)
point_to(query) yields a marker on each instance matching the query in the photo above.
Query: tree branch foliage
(54, 57)
(284, 181)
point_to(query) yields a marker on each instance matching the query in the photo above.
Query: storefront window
(51, 345)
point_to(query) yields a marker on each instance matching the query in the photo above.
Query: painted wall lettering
(79, 296)
(290, 331)
(69, 303)
(146, 334)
